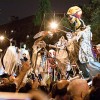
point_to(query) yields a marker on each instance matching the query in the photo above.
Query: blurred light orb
(2, 38)
(27, 36)
(53, 25)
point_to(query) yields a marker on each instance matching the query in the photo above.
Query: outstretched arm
(20, 77)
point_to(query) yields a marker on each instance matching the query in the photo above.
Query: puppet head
(74, 15)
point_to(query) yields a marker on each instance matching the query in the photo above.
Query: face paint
(52, 53)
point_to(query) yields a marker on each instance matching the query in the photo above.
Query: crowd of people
(74, 89)
(66, 70)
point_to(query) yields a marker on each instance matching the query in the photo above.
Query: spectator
(59, 90)
(10, 83)
(26, 88)
(96, 81)
(77, 89)
(38, 95)
(94, 93)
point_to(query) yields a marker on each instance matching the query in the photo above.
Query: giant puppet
(83, 36)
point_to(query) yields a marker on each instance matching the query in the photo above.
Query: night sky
(25, 8)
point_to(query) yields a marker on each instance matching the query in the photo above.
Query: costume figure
(85, 51)
(38, 60)
(10, 59)
(24, 53)
(61, 52)
(51, 64)
(61, 55)
(83, 37)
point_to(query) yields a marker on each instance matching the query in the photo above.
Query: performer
(10, 59)
(83, 36)
(62, 54)
(24, 52)
(52, 64)
(38, 58)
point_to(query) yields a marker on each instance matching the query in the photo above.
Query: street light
(1, 50)
(2, 38)
(54, 26)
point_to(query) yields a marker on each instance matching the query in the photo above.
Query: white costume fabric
(1, 68)
(61, 53)
(26, 52)
(85, 50)
(10, 59)
(37, 59)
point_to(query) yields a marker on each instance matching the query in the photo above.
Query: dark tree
(44, 7)
(91, 15)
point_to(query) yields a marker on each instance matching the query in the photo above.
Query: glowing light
(12, 31)
(2, 38)
(53, 25)
(1, 50)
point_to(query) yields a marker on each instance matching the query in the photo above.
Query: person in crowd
(96, 81)
(98, 52)
(10, 83)
(38, 95)
(94, 92)
(59, 90)
(26, 88)
(78, 89)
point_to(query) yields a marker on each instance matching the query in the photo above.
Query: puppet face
(71, 19)
(52, 53)
(74, 13)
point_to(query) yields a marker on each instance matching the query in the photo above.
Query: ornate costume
(85, 51)
(83, 37)
(61, 53)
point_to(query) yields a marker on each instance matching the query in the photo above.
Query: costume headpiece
(74, 14)
(75, 11)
